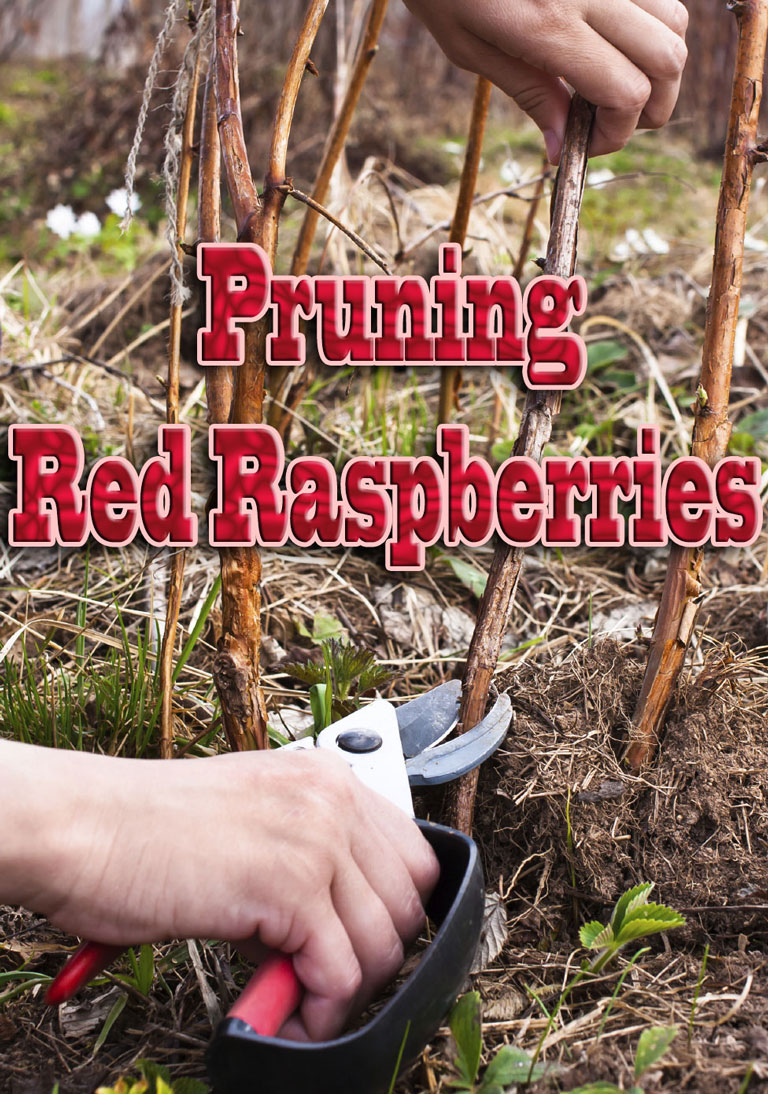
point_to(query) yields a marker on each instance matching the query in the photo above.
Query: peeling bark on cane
(712, 429)
(541, 408)
(236, 666)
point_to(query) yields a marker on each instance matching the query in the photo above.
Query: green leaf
(634, 897)
(619, 377)
(600, 354)
(190, 1086)
(597, 1088)
(643, 928)
(755, 424)
(117, 1009)
(152, 1071)
(646, 920)
(309, 672)
(511, 1065)
(372, 678)
(651, 1047)
(470, 577)
(146, 969)
(326, 626)
(466, 1027)
(589, 933)
(317, 705)
(741, 444)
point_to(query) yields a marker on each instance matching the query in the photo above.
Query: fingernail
(552, 141)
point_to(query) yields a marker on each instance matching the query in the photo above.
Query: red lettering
(250, 505)
(50, 463)
(237, 277)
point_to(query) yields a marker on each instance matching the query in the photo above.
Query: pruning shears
(391, 750)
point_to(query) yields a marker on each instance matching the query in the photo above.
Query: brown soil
(696, 825)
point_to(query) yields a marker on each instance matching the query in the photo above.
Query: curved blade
(454, 758)
(429, 718)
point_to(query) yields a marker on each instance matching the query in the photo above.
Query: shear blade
(429, 718)
(455, 758)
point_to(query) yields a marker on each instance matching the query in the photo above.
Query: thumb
(544, 98)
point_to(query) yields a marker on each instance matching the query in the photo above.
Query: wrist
(30, 793)
(51, 815)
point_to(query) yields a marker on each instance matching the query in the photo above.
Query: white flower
(600, 176)
(453, 148)
(654, 241)
(88, 225)
(510, 172)
(62, 221)
(118, 202)
(636, 243)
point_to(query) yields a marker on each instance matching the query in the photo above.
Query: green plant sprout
(338, 683)
(514, 1066)
(632, 918)
(509, 1066)
(653, 1044)
(154, 1079)
(697, 992)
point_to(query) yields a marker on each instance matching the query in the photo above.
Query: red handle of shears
(271, 996)
(87, 961)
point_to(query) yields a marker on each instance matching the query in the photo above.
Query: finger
(378, 954)
(376, 941)
(330, 973)
(598, 71)
(672, 13)
(403, 836)
(543, 97)
(386, 873)
(654, 47)
(609, 80)
(294, 1030)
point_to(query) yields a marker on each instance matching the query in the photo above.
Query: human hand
(286, 851)
(624, 56)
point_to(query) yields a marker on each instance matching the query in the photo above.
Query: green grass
(109, 704)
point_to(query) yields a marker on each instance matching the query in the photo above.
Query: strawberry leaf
(651, 1047)
(631, 900)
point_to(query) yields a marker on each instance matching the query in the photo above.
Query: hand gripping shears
(391, 750)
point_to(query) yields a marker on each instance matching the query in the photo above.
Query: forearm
(37, 807)
(59, 810)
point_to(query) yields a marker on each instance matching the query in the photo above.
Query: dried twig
(712, 429)
(176, 575)
(338, 134)
(450, 377)
(218, 380)
(278, 377)
(517, 273)
(357, 239)
(530, 220)
(541, 407)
